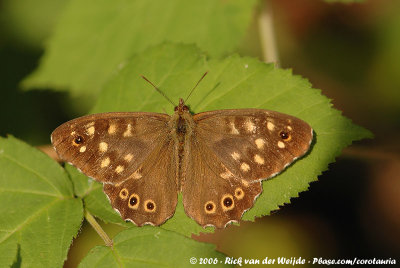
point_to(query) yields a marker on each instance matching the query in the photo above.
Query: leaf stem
(267, 34)
(89, 217)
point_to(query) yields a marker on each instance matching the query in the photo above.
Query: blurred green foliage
(93, 38)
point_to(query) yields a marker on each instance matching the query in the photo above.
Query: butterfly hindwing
(151, 195)
(109, 147)
(253, 144)
(212, 196)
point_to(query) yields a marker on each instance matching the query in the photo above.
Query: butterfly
(216, 159)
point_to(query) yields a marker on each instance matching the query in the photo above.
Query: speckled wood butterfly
(216, 159)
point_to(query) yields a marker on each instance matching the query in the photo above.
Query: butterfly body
(216, 159)
(181, 125)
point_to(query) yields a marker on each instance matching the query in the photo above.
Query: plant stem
(89, 217)
(267, 34)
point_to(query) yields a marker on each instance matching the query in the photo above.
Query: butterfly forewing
(109, 147)
(132, 154)
(253, 144)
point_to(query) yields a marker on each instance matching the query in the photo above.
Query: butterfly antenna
(196, 86)
(158, 90)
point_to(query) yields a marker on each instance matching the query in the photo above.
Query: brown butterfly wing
(109, 147)
(211, 196)
(132, 154)
(149, 197)
(231, 152)
(253, 144)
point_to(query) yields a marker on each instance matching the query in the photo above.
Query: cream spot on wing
(73, 133)
(245, 167)
(270, 126)
(103, 147)
(259, 143)
(233, 128)
(245, 183)
(128, 157)
(289, 127)
(89, 124)
(281, 145)
(112, 129)
(128, 131)
(90, 130)
(105, 162)
(258, 159)
(136, 175)
(119, 169)
(250, 127)
(235, 155)
(82, 149)
(227, 174)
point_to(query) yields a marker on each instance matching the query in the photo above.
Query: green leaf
(94, 37)
(39, 214)
(232, 83)
(151, 247)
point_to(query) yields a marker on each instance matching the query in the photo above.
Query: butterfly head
(181, 108)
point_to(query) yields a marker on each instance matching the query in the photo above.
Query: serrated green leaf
(151, 247)
(39, 213)
(93, 37)
(234, 82)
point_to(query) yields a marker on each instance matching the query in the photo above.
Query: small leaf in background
(151, 247)
(383, 79)
(39, 214)
(234, 83)
(94, 37)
